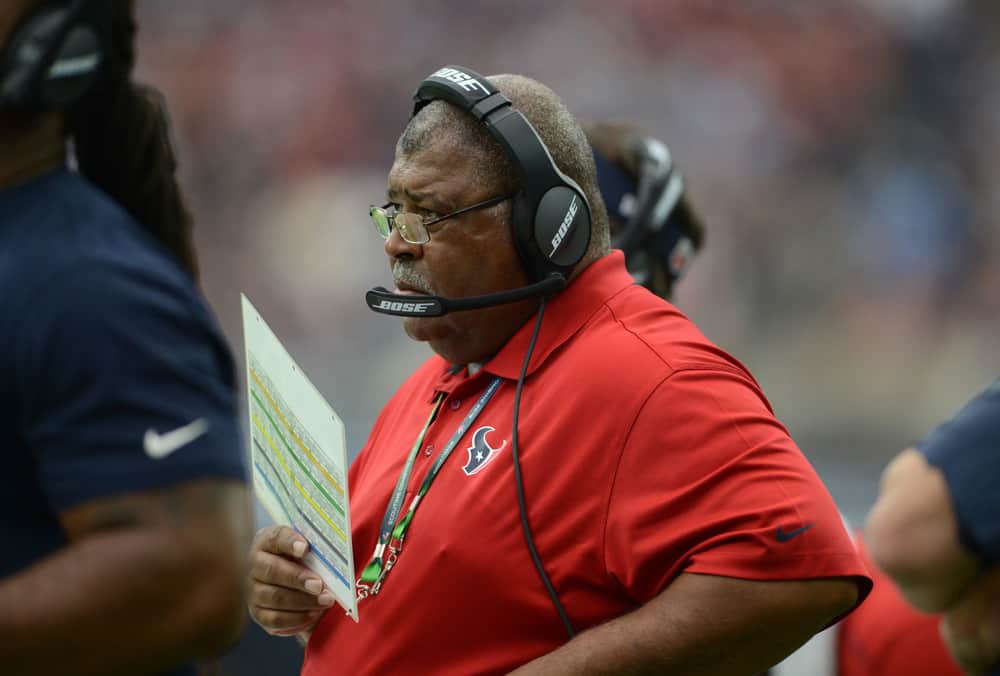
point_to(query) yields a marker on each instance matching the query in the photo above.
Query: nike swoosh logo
(785, 536)
(158, 446)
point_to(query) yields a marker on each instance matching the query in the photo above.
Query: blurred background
(845, 157)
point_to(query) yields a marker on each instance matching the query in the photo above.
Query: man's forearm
(912, 533)
(702, 626)
(116, 602)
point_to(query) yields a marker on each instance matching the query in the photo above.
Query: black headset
(53, 57)
(551, 215)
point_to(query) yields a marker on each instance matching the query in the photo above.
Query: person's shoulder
(56, 203)
(61, 220)
(644, 335)
(974, 428)
(102, 300)
(986, 403)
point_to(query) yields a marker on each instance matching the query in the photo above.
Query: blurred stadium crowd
(845, 156)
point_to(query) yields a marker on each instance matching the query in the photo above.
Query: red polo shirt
(645, 451)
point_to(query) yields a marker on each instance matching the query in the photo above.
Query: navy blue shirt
(967, 450)
(105, 338)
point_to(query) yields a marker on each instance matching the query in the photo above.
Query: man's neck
(30, 149)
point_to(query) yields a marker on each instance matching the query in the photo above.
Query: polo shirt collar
(565, 314)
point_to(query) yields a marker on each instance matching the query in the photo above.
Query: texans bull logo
(480, 452)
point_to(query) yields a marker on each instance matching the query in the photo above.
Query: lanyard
(392, 533)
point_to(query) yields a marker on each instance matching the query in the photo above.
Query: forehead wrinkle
(424, 195)
(411, 195)
(424, 184)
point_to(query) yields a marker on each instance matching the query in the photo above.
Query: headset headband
(476, 95)
(552, 216)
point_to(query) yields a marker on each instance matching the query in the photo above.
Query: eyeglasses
(413, 227)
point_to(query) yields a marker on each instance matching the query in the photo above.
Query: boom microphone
(386, 302)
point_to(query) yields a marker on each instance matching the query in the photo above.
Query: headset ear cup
(76, 68)
(553, 237)
(51, 61)
(17, 74)
(562, 228)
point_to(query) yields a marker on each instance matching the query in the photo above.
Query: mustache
(403, 273)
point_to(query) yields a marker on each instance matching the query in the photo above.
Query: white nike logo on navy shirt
(158, 446)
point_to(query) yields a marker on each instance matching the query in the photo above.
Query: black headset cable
(520, 484)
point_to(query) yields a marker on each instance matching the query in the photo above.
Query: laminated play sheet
(298, 449)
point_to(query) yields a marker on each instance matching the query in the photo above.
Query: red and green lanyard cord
(392, 533)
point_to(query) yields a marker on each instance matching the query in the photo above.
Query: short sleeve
(967, 450)
(125, 384)
(710, 482)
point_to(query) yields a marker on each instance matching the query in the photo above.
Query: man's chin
(425, 329)
(438, 332)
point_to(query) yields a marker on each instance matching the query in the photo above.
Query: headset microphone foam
(382, 300)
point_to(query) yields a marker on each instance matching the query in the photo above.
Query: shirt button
(455, 404)
(427, 451)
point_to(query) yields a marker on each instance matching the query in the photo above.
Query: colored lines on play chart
(289, 461)
(284, 508)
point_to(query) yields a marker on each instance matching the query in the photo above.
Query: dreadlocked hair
(121, 138)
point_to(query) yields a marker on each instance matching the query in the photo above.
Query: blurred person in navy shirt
(936, 529)
(123, 505)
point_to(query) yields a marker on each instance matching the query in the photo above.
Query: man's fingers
(271, 569)
(285, 597)
(280, 540)
(270, 597)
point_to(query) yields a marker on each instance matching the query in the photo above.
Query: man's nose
(398, 248)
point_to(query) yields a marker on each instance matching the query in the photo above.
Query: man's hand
(971, 628)
(284, 597)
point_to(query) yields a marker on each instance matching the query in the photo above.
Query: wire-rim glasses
(412, 227)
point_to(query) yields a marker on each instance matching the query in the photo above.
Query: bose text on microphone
(386, 302)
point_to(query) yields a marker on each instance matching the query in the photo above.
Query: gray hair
(442, 123)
